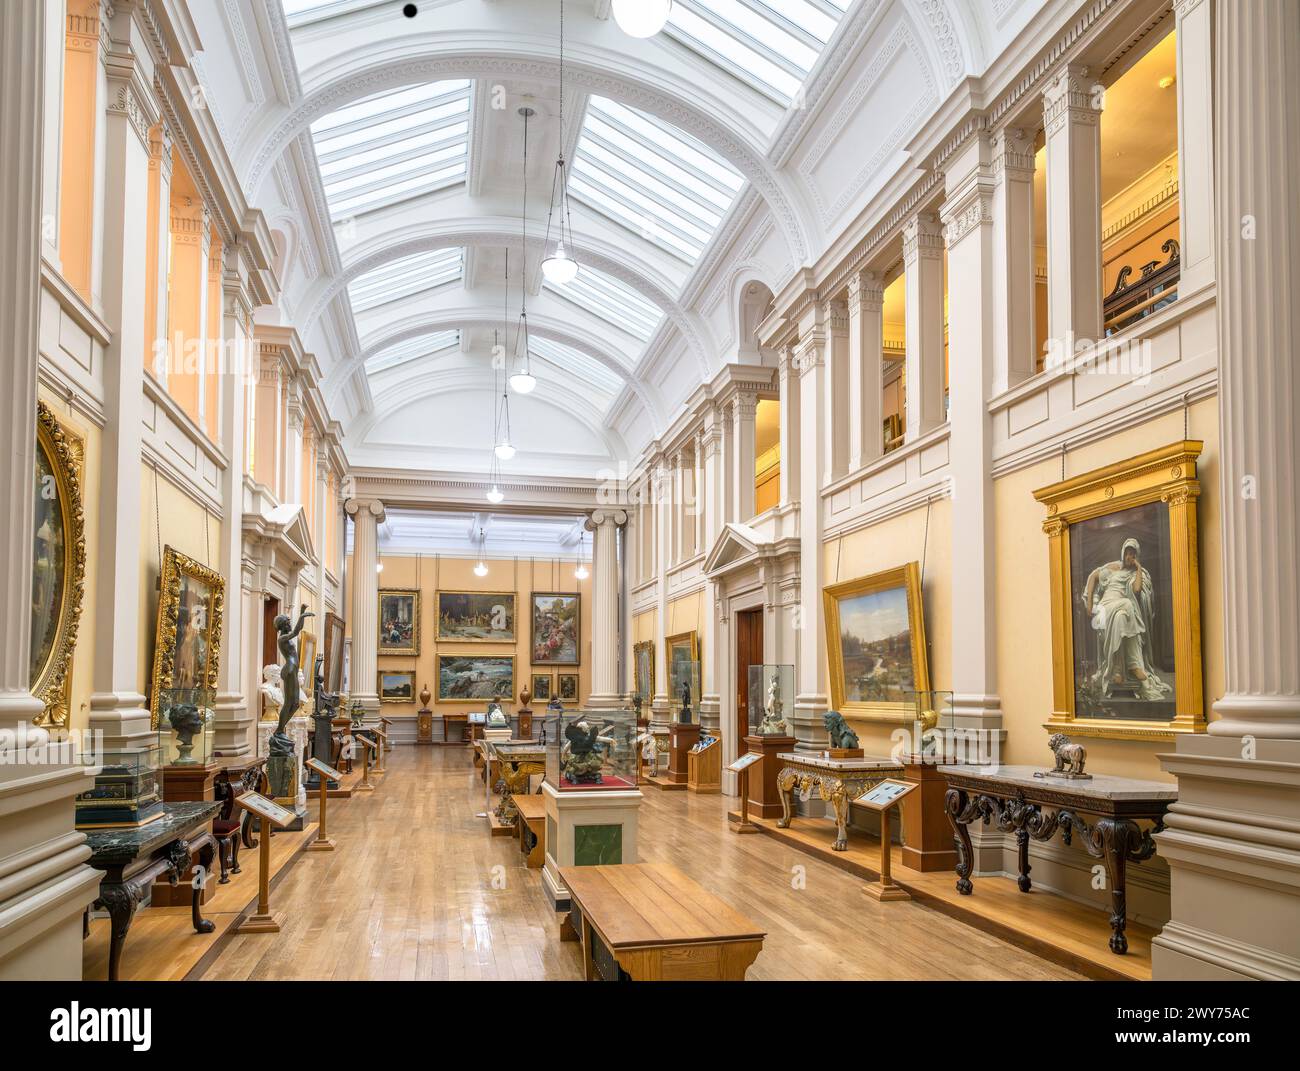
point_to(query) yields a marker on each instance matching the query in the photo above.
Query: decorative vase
(425, 696)
(525, 697)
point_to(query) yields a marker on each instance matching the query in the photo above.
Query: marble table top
(825, 762)
(117, 847)
(519, 749)
(1099, 786)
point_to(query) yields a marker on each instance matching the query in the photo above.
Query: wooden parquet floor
(417, 889)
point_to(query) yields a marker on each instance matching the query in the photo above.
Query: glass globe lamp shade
(641, 18)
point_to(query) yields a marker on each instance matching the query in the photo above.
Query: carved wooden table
(837, 781)
(514, 763)
(1029, 806)
(132, 858)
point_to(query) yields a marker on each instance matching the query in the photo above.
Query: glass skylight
(305, 12)
(614, 302)
(577, 363)
(393, 146)
(413, 349)
(402, 278)
(652, 178)
(770, 44)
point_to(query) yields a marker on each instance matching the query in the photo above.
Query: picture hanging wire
(925, 541)
(157, 524)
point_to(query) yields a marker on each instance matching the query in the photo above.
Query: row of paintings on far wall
(476, 678)
(1123, 567)
(483, 617)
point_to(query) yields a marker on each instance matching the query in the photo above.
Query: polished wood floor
(417, 889)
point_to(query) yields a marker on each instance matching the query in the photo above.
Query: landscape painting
(476, 616)
(555, 629)
(470, 678)
(396, 686)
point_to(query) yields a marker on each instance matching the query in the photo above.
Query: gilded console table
(1103, 811)
(837, 781)
(516, 763)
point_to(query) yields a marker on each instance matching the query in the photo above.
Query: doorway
(270, 611)
(749, 652)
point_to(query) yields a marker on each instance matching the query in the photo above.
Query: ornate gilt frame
(335, 632)
(904, 576)
(437, 673)
(174, 566)
(513, 596)
(1166, 475)
(637, 648)
(532, 625)
(52, 682)
(379, 685)
(414, 649)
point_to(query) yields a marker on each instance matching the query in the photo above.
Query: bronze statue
(1069, 759)
(280, 743)
(842, 737)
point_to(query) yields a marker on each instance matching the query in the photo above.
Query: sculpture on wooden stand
(280, 742)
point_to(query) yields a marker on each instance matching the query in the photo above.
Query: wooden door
(270, 653)
(749, 652)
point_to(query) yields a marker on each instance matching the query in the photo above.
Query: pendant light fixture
(521, 379)
(642, 18)
(560, 267)
(481, 568)
(581, 572)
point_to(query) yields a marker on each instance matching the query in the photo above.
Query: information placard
(885, 795)
(265, 808)
(325, 771)
(745, 762)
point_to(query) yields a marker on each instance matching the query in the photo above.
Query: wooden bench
(652, 923)
(531, 829)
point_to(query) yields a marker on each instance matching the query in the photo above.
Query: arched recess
(417, 59)
(753, 303)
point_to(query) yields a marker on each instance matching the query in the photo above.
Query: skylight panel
(656, 180)
(770, 44)
(393, 146)
(304, 12)
(613, 301)
(402, 278)
(577, 363)
(413, 349)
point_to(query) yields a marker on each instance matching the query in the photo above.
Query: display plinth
(424, 726)
(682, 736)
(704, 769)
(285, 776)
(586, 828)
(927, 836)
(764, 796)
(190, 783)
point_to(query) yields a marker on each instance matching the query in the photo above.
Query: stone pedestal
(764, 798)
(587, 828)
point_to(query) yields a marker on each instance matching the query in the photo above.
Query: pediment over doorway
(740, 545)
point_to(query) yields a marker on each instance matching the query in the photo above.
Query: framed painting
(682, 648)
(399, 621)
(643, 669)
(556, 631)
(58, 565)
(334, 632)
(1124, 574)
(307, 661)
(476, 616)
(396, 685)
(875, 642)
(187, 642)
(542, 687)
(566, 687)
(474, 678)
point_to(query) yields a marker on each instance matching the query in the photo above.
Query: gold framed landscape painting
(643, 665)
(556, 631)
(335, 630)
(566, 685)
(473, 678)
(399, 621)
(187, 642)
(1124, 576)
(875, 641)
(542, 687)
(476, 616)
(396, 685)
(58, 566)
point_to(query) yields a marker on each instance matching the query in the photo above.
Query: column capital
(865, 290)
(811, 352)
(357, 507)
(970, 208)
(922, 238)
(1012, 154)
(1071, 95)
(607, 518)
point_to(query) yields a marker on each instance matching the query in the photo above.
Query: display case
(931, 717)
(590, 750)
(186, 724)
(126, 793)
(771, 697)
(684, 686)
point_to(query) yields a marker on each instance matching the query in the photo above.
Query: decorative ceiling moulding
(636, 88)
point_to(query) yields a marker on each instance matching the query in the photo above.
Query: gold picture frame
(475, 678)
(568, 687)
(58, 564)
(178, 571)
(643, 669)
(543, 687)
(402, 645)
(563, 645)
(388, 686)
(335, 631)
(307, 660)
(892, 592)
(1157, 489)
(446, 631)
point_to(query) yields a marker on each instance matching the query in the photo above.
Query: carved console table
(837, 781)
(132, 858)
(1102, 811)
(515, 764)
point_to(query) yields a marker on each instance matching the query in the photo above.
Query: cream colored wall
(886, 545)
(683, 615)
(522, 576)
(645, 626)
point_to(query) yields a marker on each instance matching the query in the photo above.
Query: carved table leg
(957, 806)
(839, 800)
(785, 784)
(1117, 836)
(202, 925)
(1022, 853)
(120, 902)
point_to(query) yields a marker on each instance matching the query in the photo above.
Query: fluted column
(708, 440)
(923, 262)
(368, 515)
(865, 397)
(1072, 128)
(1013, 261)
(604, 525)
(835, 428)
(788, 402)
(744, 408)
(1233, 837)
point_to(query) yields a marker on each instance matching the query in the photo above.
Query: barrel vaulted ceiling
(690, 172)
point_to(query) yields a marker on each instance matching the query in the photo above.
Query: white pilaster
(604, 525)
(1193, 23)
(835, 451)
(708, 443)
(1013, 262)
(367, 514)
(744, 407)
(789, 402)
(1071, 121)
(865, 395)
(923, 263)
(56, 13)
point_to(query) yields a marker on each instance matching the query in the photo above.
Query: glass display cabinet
(590, 750)
(126, 793)
(685, 692)
(186, 726)
(931, 715)
(771, 697)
